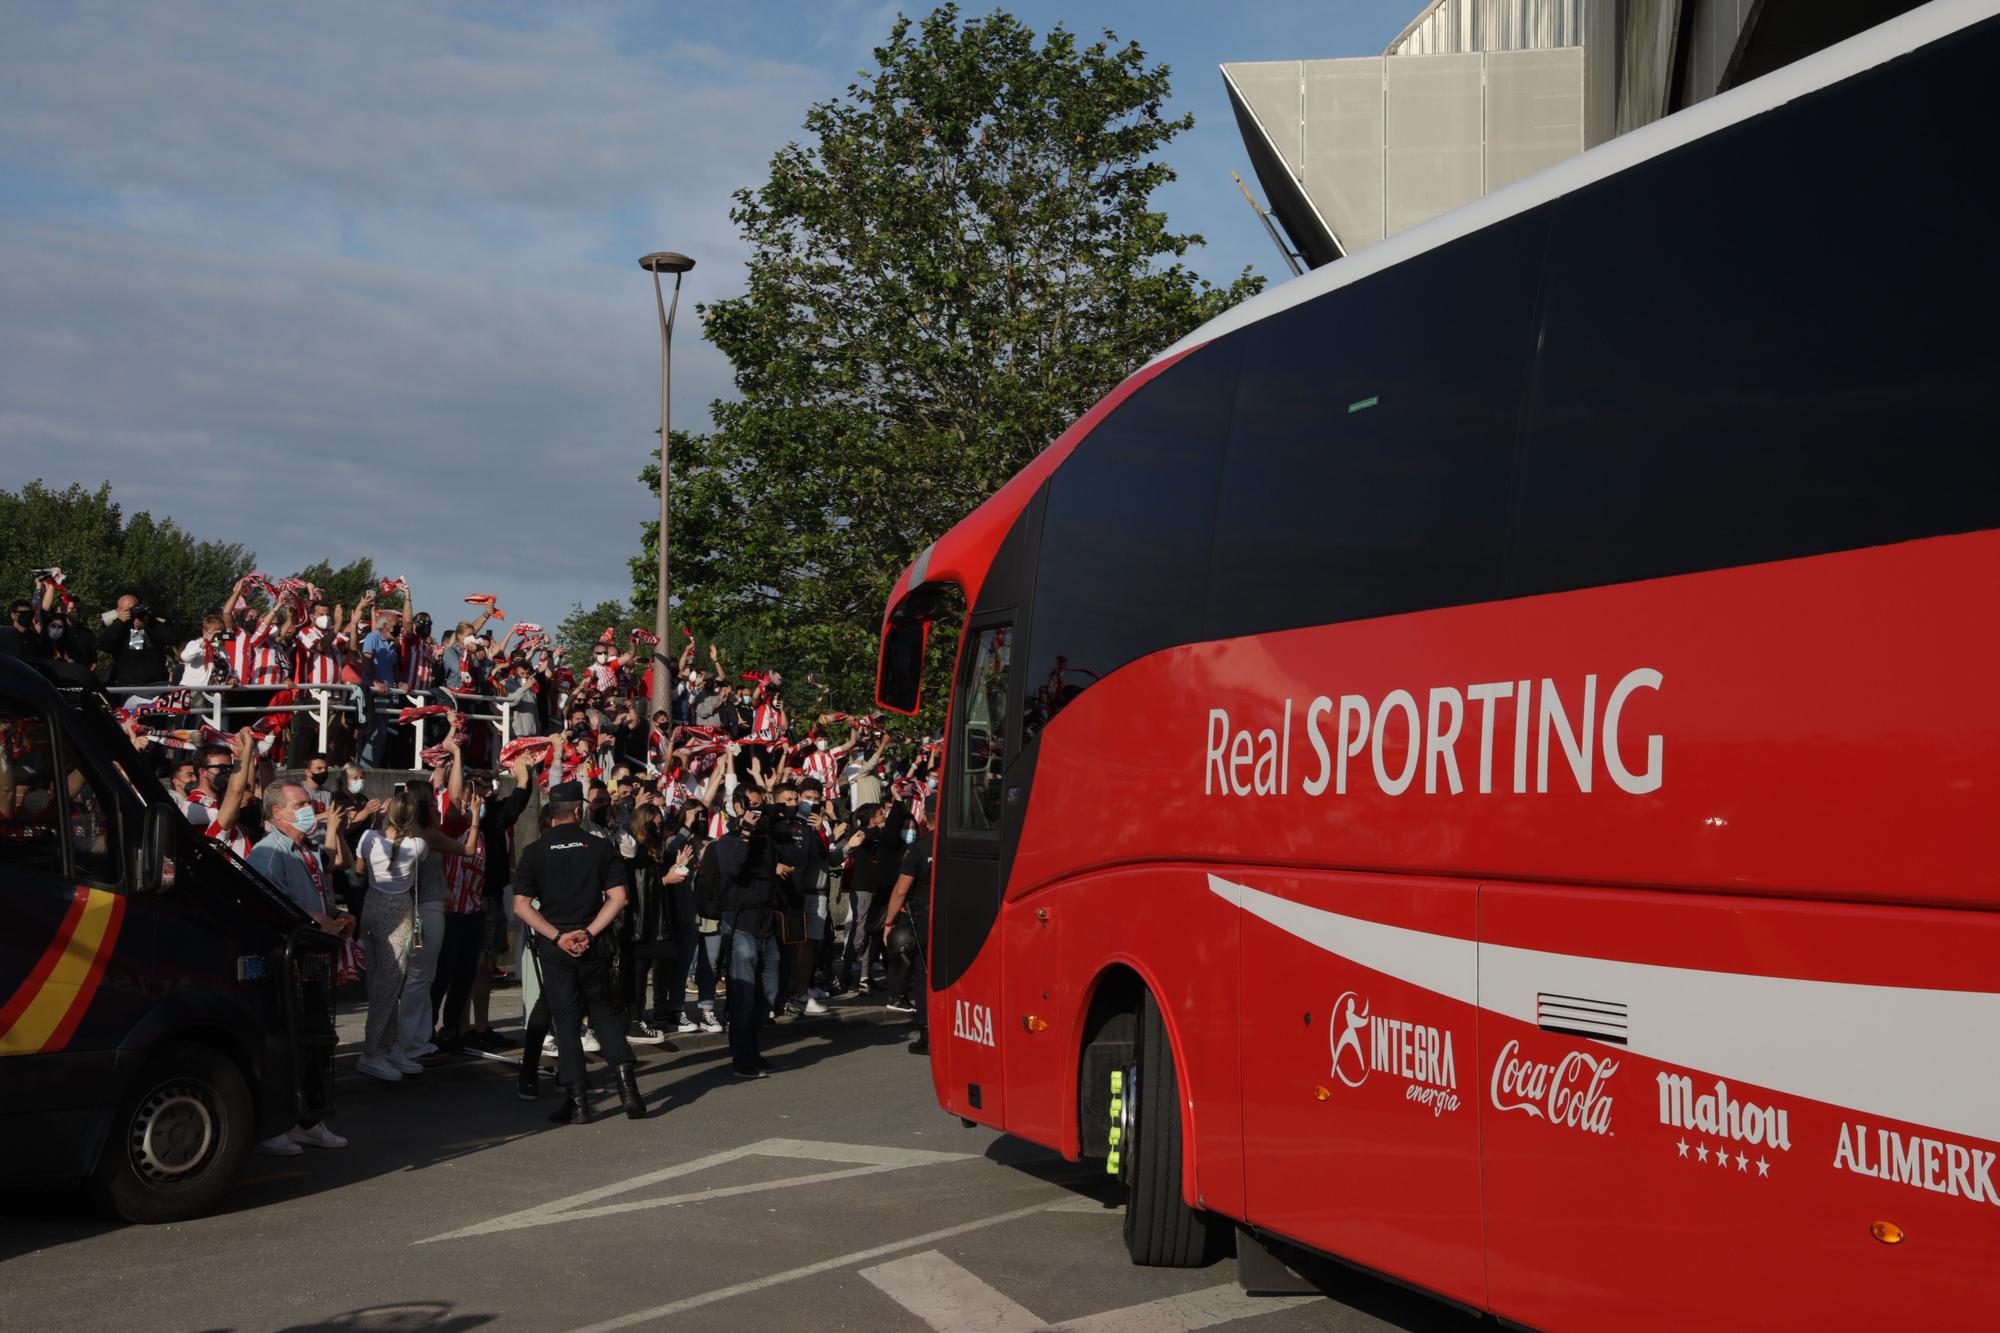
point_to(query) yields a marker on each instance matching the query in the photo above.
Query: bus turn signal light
(1034, 1024)
(1320, 1093)
(1886, 1232)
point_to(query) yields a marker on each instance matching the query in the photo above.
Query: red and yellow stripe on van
(42, 1014)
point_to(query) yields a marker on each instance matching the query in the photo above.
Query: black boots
(575, 1108)
(628, 1091)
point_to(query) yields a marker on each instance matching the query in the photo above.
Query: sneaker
(318, 1136)
(921, 1046)
(644, 1033)
(549, 1046)
(816, 993)
(685, 1026)
(590, 1046)
(748, 1073)
(691, 989)
(405, 1064)
(282, 1146)
(863, 986)
(901, 1007)
(709, 1022)
(814, 1007)
(376, 1066)
(428, 1048)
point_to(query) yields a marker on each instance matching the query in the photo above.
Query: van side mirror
(160, 848)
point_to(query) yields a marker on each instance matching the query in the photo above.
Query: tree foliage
(583, 626)
(344, 586)
(958, 261)
(104, 554)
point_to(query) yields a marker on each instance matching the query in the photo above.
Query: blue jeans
(753, 991)
(375, 740)
(698, 956)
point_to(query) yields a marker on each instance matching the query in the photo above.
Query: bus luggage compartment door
(1361, 1131)
(1697, 1107)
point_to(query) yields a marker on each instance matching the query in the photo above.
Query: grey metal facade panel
(1534, 112)
(1713, 31)
(1432, 152)
(1344, 129)
(1270, 90)
(1457, 27)
(1308, 233)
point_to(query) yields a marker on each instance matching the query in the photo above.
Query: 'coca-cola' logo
(1569, 1093)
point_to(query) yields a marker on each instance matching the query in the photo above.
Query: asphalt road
(833, 1195)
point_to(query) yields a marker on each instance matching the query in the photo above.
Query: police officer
(569, 889)
(906, 927)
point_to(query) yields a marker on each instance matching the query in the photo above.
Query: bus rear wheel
(180, 1138)
(1161, 1230)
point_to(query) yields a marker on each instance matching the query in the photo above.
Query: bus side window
(982, 741)
(28, 812)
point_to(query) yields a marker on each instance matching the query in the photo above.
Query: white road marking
(858, 1158)
(1195, 1309)
(810, 1270)
(948, 1297)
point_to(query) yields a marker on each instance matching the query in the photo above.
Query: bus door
(65, 1001)
(966, 974)
(1360, 1085)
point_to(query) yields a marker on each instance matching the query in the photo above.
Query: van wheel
(180, 1138)
(1161, 1231)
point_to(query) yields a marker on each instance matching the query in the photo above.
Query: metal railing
(217, 704)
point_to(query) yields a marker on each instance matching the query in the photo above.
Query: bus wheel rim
(174, 1131)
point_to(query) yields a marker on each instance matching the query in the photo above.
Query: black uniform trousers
(572, 986)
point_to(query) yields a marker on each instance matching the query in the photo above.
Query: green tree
(583, 626)
(344, 586)
(960, 260)
(104, 555)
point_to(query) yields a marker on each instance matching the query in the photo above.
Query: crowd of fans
(771, 861)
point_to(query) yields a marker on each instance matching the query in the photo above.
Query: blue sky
(359, 279)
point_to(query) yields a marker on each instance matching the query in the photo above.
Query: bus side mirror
(159, 850)
(899, 677)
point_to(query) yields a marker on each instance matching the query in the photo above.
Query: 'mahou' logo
(1722, 1115)
(972, 1022)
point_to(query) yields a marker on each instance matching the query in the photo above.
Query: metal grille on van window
(1603, 1019)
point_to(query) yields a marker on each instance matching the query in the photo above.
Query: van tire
(180, 1137)
(1161, 1231)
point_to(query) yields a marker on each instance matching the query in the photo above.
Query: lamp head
(665, 261)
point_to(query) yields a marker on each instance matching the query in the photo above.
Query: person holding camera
(137, 646)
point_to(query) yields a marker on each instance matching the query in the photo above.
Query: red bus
(1483, 762)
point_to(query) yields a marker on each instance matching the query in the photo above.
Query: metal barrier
(491, 710)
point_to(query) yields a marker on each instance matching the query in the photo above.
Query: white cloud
(334, 280)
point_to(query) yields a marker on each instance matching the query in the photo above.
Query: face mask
(321, 622)
(819, 745)
(909, 835)
(806, 806)
(55, 632)
(601, 659)
(306, 818)
(354, 786)
(317, 779)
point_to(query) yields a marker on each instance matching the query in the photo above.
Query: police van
(162, 1006)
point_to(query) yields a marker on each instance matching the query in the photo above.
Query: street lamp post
(664, 261)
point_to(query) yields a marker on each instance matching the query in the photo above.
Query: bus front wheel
(1161, 1230)
(180, 1138)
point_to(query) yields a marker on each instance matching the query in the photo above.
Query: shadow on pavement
(390, 1132)
(403, 1317)
(1367, 1292)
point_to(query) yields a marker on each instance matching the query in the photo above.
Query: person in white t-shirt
(391, 861)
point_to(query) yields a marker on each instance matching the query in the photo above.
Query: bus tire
(180, 1137)
(1161, 1231)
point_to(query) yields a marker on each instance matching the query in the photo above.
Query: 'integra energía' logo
(1415, 1052)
